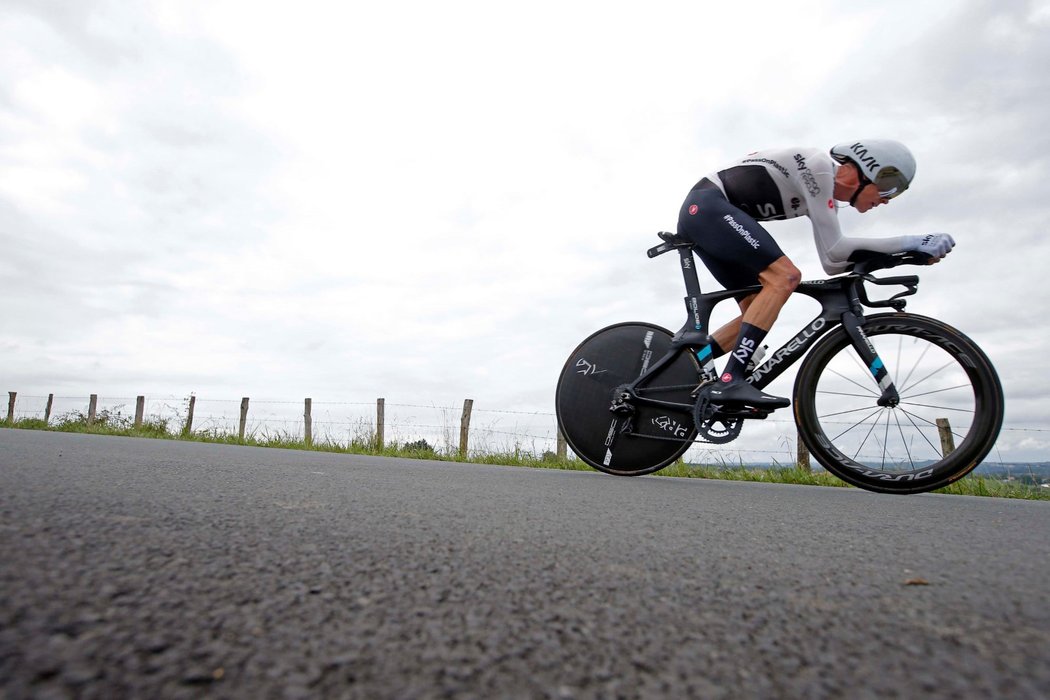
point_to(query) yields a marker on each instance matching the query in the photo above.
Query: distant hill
(1041, 470)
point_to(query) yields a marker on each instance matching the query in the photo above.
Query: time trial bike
(890, 402)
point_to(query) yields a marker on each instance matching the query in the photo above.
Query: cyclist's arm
(835, 249)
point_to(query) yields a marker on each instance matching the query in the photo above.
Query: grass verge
(115, 424)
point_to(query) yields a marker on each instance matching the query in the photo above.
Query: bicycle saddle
(671, 241)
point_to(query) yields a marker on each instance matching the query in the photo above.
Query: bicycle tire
(610, 358)
(938, 372)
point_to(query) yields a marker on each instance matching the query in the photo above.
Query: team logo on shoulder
(693, 209)
(831, 204)
(795, 203)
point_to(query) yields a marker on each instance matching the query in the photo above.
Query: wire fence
(338, 422)
(442, 427)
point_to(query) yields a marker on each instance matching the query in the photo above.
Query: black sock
(746, 344)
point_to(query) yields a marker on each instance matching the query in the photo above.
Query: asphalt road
(145, 568)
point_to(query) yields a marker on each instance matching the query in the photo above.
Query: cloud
(123, 169)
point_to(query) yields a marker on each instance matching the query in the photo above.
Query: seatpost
(693, 332)
(692, 283)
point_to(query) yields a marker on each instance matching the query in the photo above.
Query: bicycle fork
(871, 359)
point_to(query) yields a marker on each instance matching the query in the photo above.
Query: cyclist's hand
(936, 245)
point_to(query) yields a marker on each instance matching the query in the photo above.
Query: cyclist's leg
(724, 336)
(778, 282)
(739, 252)
(723, 251)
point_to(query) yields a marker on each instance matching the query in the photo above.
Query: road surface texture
(160, 569)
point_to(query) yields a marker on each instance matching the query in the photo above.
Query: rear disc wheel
(626, 443)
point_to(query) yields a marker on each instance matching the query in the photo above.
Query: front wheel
(947, 420)
(626, 443)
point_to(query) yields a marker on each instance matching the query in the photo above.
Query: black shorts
(733, 246)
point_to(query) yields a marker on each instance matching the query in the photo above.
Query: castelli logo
(693, 209)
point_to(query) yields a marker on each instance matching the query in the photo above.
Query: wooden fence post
(140, 408)
(47, 409)
(380, 423)
(802, 460)
(947, 439)
(244, 419)
(11, 407)
(561, 444)
(92, 405)
(464, 427)
(308, 433)
(188, 428)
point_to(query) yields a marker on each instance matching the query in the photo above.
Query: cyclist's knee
(782, 276)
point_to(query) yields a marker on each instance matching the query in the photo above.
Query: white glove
(936, 245)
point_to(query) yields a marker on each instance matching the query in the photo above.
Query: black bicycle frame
(840, 299)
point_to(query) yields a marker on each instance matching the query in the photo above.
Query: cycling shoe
(741, 393)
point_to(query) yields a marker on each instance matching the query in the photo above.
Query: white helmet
(889, 164)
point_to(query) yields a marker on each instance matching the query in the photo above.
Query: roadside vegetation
(114, 423)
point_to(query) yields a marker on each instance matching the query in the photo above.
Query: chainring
(712, 425)
(719, 430)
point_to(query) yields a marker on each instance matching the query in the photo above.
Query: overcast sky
(436, 201)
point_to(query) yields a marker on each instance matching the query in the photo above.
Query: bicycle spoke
(850, 410)
(928, 376)
(860, 422)
(904, 440)
(866, 388)
(918, 429)
(921, 419)
(940, 391)
(865, 440)
(885, 440)
(939, 408)
(843, 393)
(919, 359)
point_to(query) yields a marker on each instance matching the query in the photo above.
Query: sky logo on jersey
(808, 179)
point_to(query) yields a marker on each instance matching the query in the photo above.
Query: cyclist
(721, 214)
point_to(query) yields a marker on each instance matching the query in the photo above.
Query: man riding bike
(721, 214)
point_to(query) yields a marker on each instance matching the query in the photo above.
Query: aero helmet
(888, 164)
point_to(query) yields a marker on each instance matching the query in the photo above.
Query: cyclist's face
(847, 181)
(869, 199)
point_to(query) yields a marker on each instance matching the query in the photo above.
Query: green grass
(114, 423)
(775, 475)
